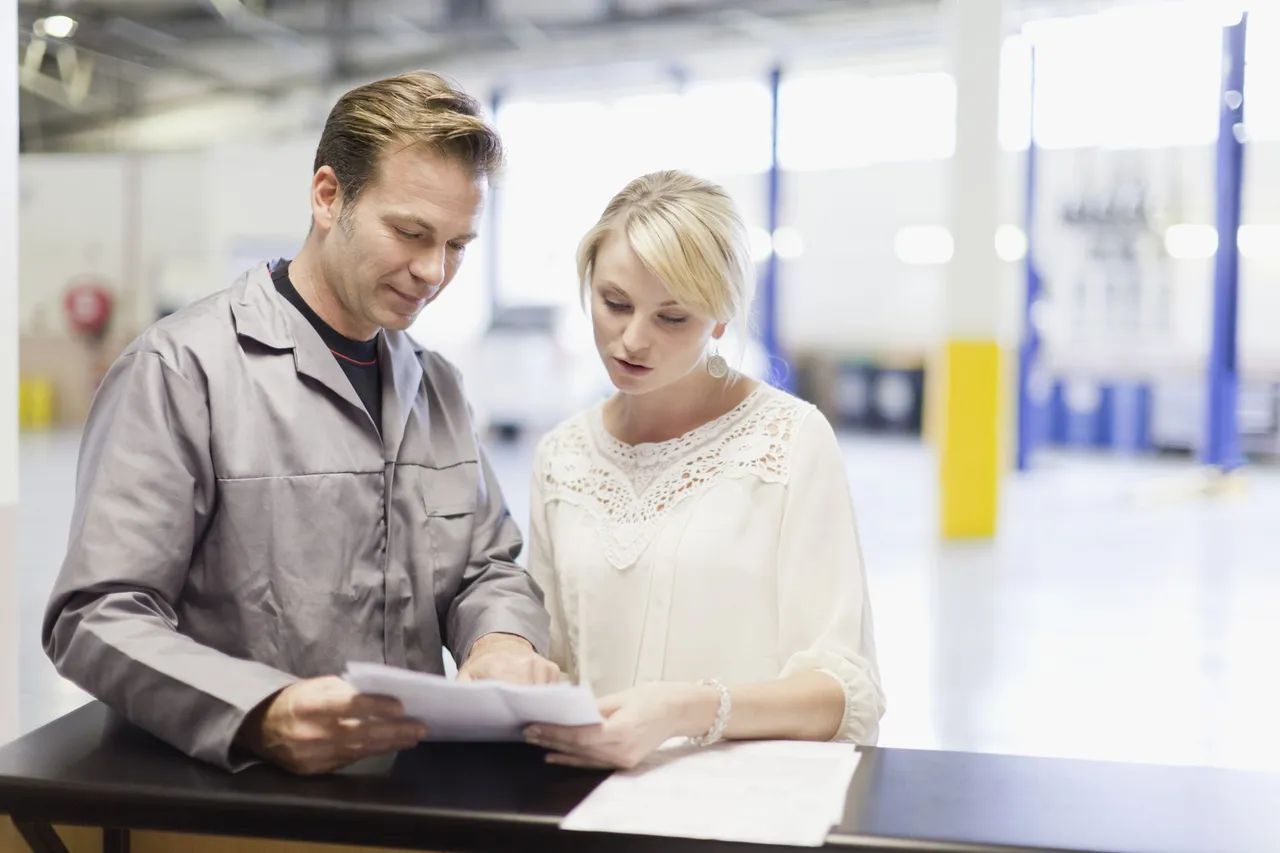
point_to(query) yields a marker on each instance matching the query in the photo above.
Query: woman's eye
(408, 235)
(614, 306)
(675, 321)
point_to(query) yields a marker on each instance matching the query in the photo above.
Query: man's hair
(418, 108)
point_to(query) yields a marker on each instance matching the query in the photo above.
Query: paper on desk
(768, 792)
(475, 710)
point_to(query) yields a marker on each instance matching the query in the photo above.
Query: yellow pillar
(971, 439)
(970, 465)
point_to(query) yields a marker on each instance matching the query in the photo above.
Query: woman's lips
(631, 368)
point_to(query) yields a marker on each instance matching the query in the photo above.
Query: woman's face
(646, 339)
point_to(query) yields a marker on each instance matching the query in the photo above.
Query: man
(276, 479)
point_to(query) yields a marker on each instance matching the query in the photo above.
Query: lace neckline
(629, 489)
(694, 437)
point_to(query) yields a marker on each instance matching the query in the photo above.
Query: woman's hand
(636, 722)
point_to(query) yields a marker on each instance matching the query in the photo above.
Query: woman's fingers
(569, 760)
(575, 737)
(610, 705)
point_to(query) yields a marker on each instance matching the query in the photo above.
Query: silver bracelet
(716, 732)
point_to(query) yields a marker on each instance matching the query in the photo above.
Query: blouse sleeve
(824, 612)
(542, 566)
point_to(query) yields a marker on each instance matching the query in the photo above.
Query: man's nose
(428, 266)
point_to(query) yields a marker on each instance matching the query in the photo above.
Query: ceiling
(135, 61)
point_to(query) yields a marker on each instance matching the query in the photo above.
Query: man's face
(401, 243)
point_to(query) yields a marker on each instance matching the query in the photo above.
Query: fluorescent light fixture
(788, 243)
(923, 245)
(1259, 242)
(56, 26)
(761, 245)
(1191, 241)
(1011, 243)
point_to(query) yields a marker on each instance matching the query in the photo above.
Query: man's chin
(397, 322)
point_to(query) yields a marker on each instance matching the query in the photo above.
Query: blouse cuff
(863, 700)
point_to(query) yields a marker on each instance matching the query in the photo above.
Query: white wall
(199, 218)
(72, 226)
(129, 221)
(849, 291)
(256, 202)
(1260, 279)
(172, 221)
(1182, 190)
(8, 375)
(164, 229)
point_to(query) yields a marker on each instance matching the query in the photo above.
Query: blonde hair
(415, 108)
(688, 233)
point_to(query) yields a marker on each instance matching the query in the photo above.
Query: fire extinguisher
(88, 307)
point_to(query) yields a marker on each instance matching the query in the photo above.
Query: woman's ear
(718, 331)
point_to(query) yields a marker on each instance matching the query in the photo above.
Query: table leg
(39, 835)
(115, 840)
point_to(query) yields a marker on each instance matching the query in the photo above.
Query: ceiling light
(1191, 241)
(923, 244)
(1011, 243)
(788, 243)
(56, 26)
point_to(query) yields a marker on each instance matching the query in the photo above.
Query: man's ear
(326, 197)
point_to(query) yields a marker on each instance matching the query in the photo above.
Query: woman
(694, 534)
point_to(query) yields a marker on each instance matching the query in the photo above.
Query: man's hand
(320, 724)
(506, 657)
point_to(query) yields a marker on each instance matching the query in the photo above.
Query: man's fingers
(377, 740)
(386, 731)
(321, 724)
(317, 697)
(516, 664)
(373, 705)
(329, 696)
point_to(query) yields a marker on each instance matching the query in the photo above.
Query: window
(840, 119)
(1133, 77)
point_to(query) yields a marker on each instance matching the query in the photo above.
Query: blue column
(493, 223)
(1029, 351)
(779, 372)
(1221, 445)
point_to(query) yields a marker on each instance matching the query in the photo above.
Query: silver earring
(716, 365)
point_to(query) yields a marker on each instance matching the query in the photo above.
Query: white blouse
(730, 552)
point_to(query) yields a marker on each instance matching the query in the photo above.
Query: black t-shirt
(358, 359)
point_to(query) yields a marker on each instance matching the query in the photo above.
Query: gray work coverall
(240, 524)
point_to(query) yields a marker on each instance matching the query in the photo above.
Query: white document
(475, 710)
(768, 792)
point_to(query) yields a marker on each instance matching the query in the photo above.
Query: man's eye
(408, 235)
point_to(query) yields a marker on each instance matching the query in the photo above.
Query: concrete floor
(1121, 614)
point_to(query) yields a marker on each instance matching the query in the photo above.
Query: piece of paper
(768, 792)
(475, 710)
